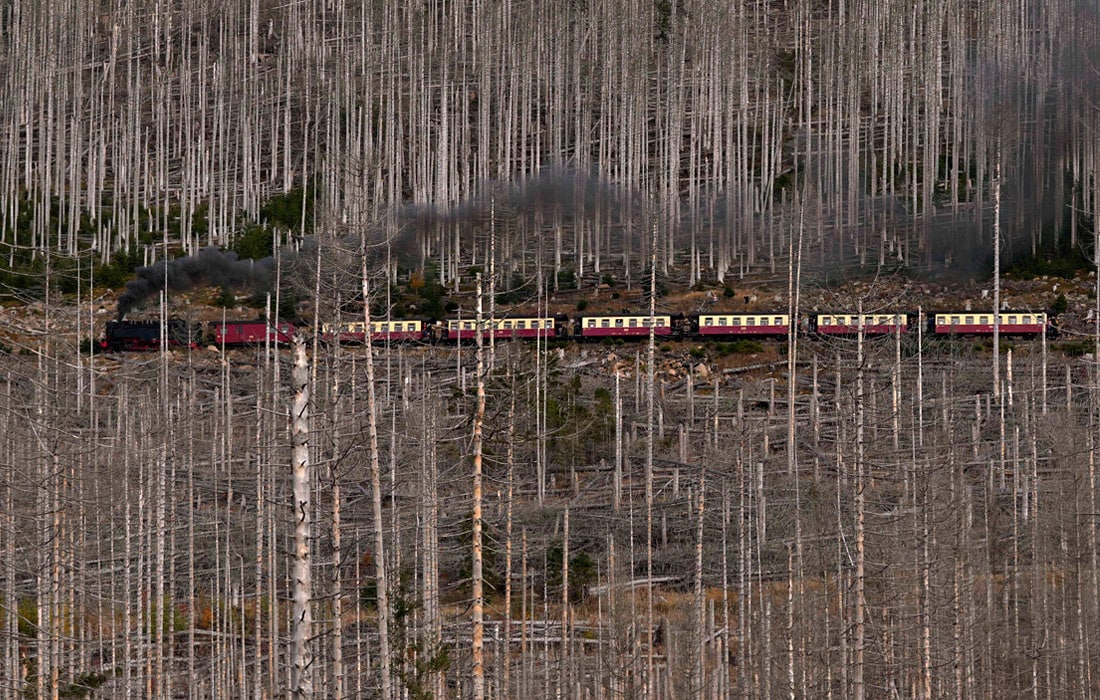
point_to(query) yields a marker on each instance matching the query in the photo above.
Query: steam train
(178, 333)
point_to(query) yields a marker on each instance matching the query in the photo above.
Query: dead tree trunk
(478, 632)
(376, 497)
(301, 685)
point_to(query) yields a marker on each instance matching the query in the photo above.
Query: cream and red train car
(622, 326)
(974, 323)
(737, 325)
(405, 330)
(852, 324)
(517, 327)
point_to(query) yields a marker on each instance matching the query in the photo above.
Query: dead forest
(852, 517)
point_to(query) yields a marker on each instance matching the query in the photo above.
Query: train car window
(618, 323)
(633, 323)
(1025, 319)
(1012, 320)
(645, 322)
(970, 320)
(605, 323)
(778, 321)
(507, 325)
(954, 320)
(591, 322)
(765, 321)
(750, 321)
(709, 321)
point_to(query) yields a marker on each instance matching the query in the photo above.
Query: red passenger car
(251, 332)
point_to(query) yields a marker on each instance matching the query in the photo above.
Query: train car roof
(661, 315)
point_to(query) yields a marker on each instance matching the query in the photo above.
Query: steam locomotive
(178, 333)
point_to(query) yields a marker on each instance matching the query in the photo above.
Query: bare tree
(301, 683)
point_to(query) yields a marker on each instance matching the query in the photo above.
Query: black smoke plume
(563, 195)
(210, 266)
(560, 195)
